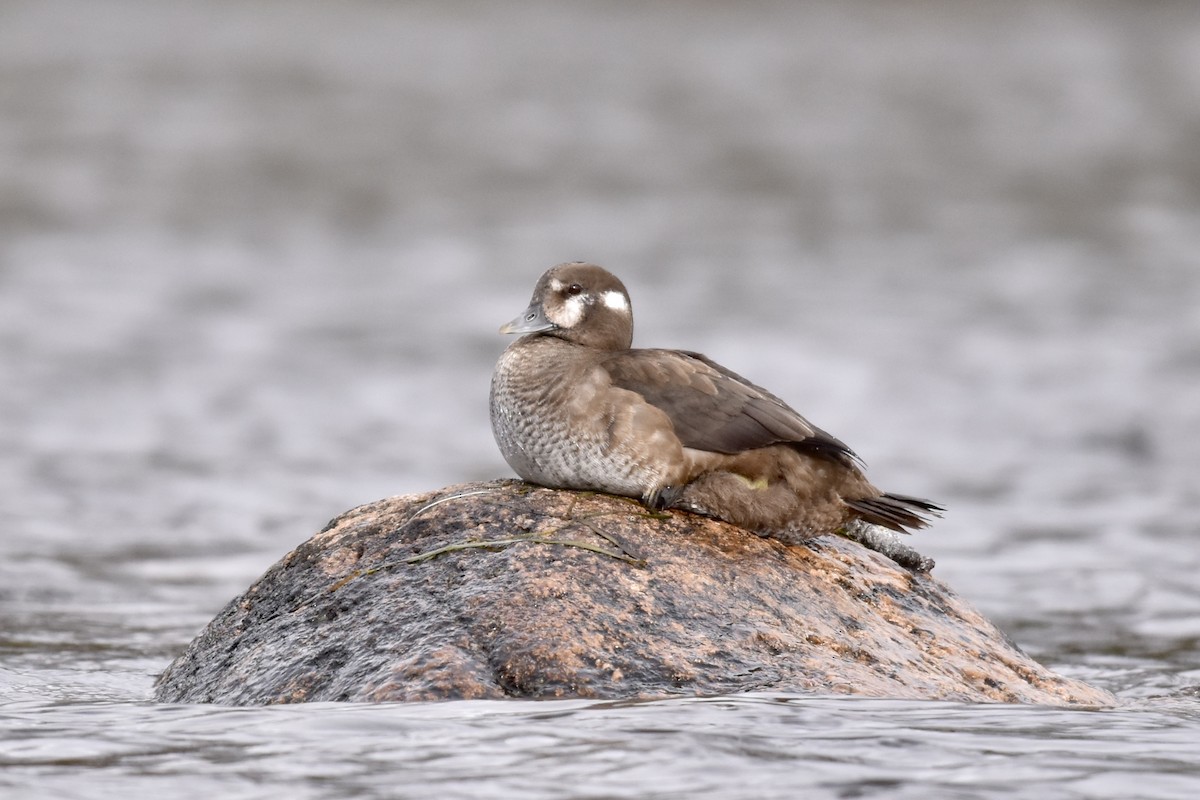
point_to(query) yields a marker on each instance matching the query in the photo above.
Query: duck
(575, 406)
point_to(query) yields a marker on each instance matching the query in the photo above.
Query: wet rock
(506, 590)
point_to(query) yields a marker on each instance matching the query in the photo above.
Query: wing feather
(715, 409)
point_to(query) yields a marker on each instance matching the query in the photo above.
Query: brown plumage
(574, 407)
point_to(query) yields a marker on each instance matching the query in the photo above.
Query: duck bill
(532, 320)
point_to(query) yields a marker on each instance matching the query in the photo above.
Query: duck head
(581, 303)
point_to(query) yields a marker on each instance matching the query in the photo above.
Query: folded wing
(715, 409)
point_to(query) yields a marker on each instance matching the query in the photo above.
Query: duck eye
(574, 288)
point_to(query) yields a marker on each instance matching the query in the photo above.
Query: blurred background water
(252, 261)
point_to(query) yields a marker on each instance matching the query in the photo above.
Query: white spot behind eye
(616, 300)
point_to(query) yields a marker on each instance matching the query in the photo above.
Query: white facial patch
(571, 312)
(616, 300)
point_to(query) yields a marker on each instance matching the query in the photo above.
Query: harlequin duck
(574, 407)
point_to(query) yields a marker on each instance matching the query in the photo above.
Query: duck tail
(898, 512)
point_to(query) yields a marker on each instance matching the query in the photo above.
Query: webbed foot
(662, 498)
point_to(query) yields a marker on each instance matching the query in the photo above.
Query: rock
(503, 589)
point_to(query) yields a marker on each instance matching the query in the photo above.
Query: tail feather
(898, 512)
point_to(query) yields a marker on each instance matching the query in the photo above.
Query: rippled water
(252, 258)
(755, 746)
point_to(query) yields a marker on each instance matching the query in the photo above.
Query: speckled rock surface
(505, 590)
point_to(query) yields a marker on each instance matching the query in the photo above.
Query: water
(756, 746)
(252, 258)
